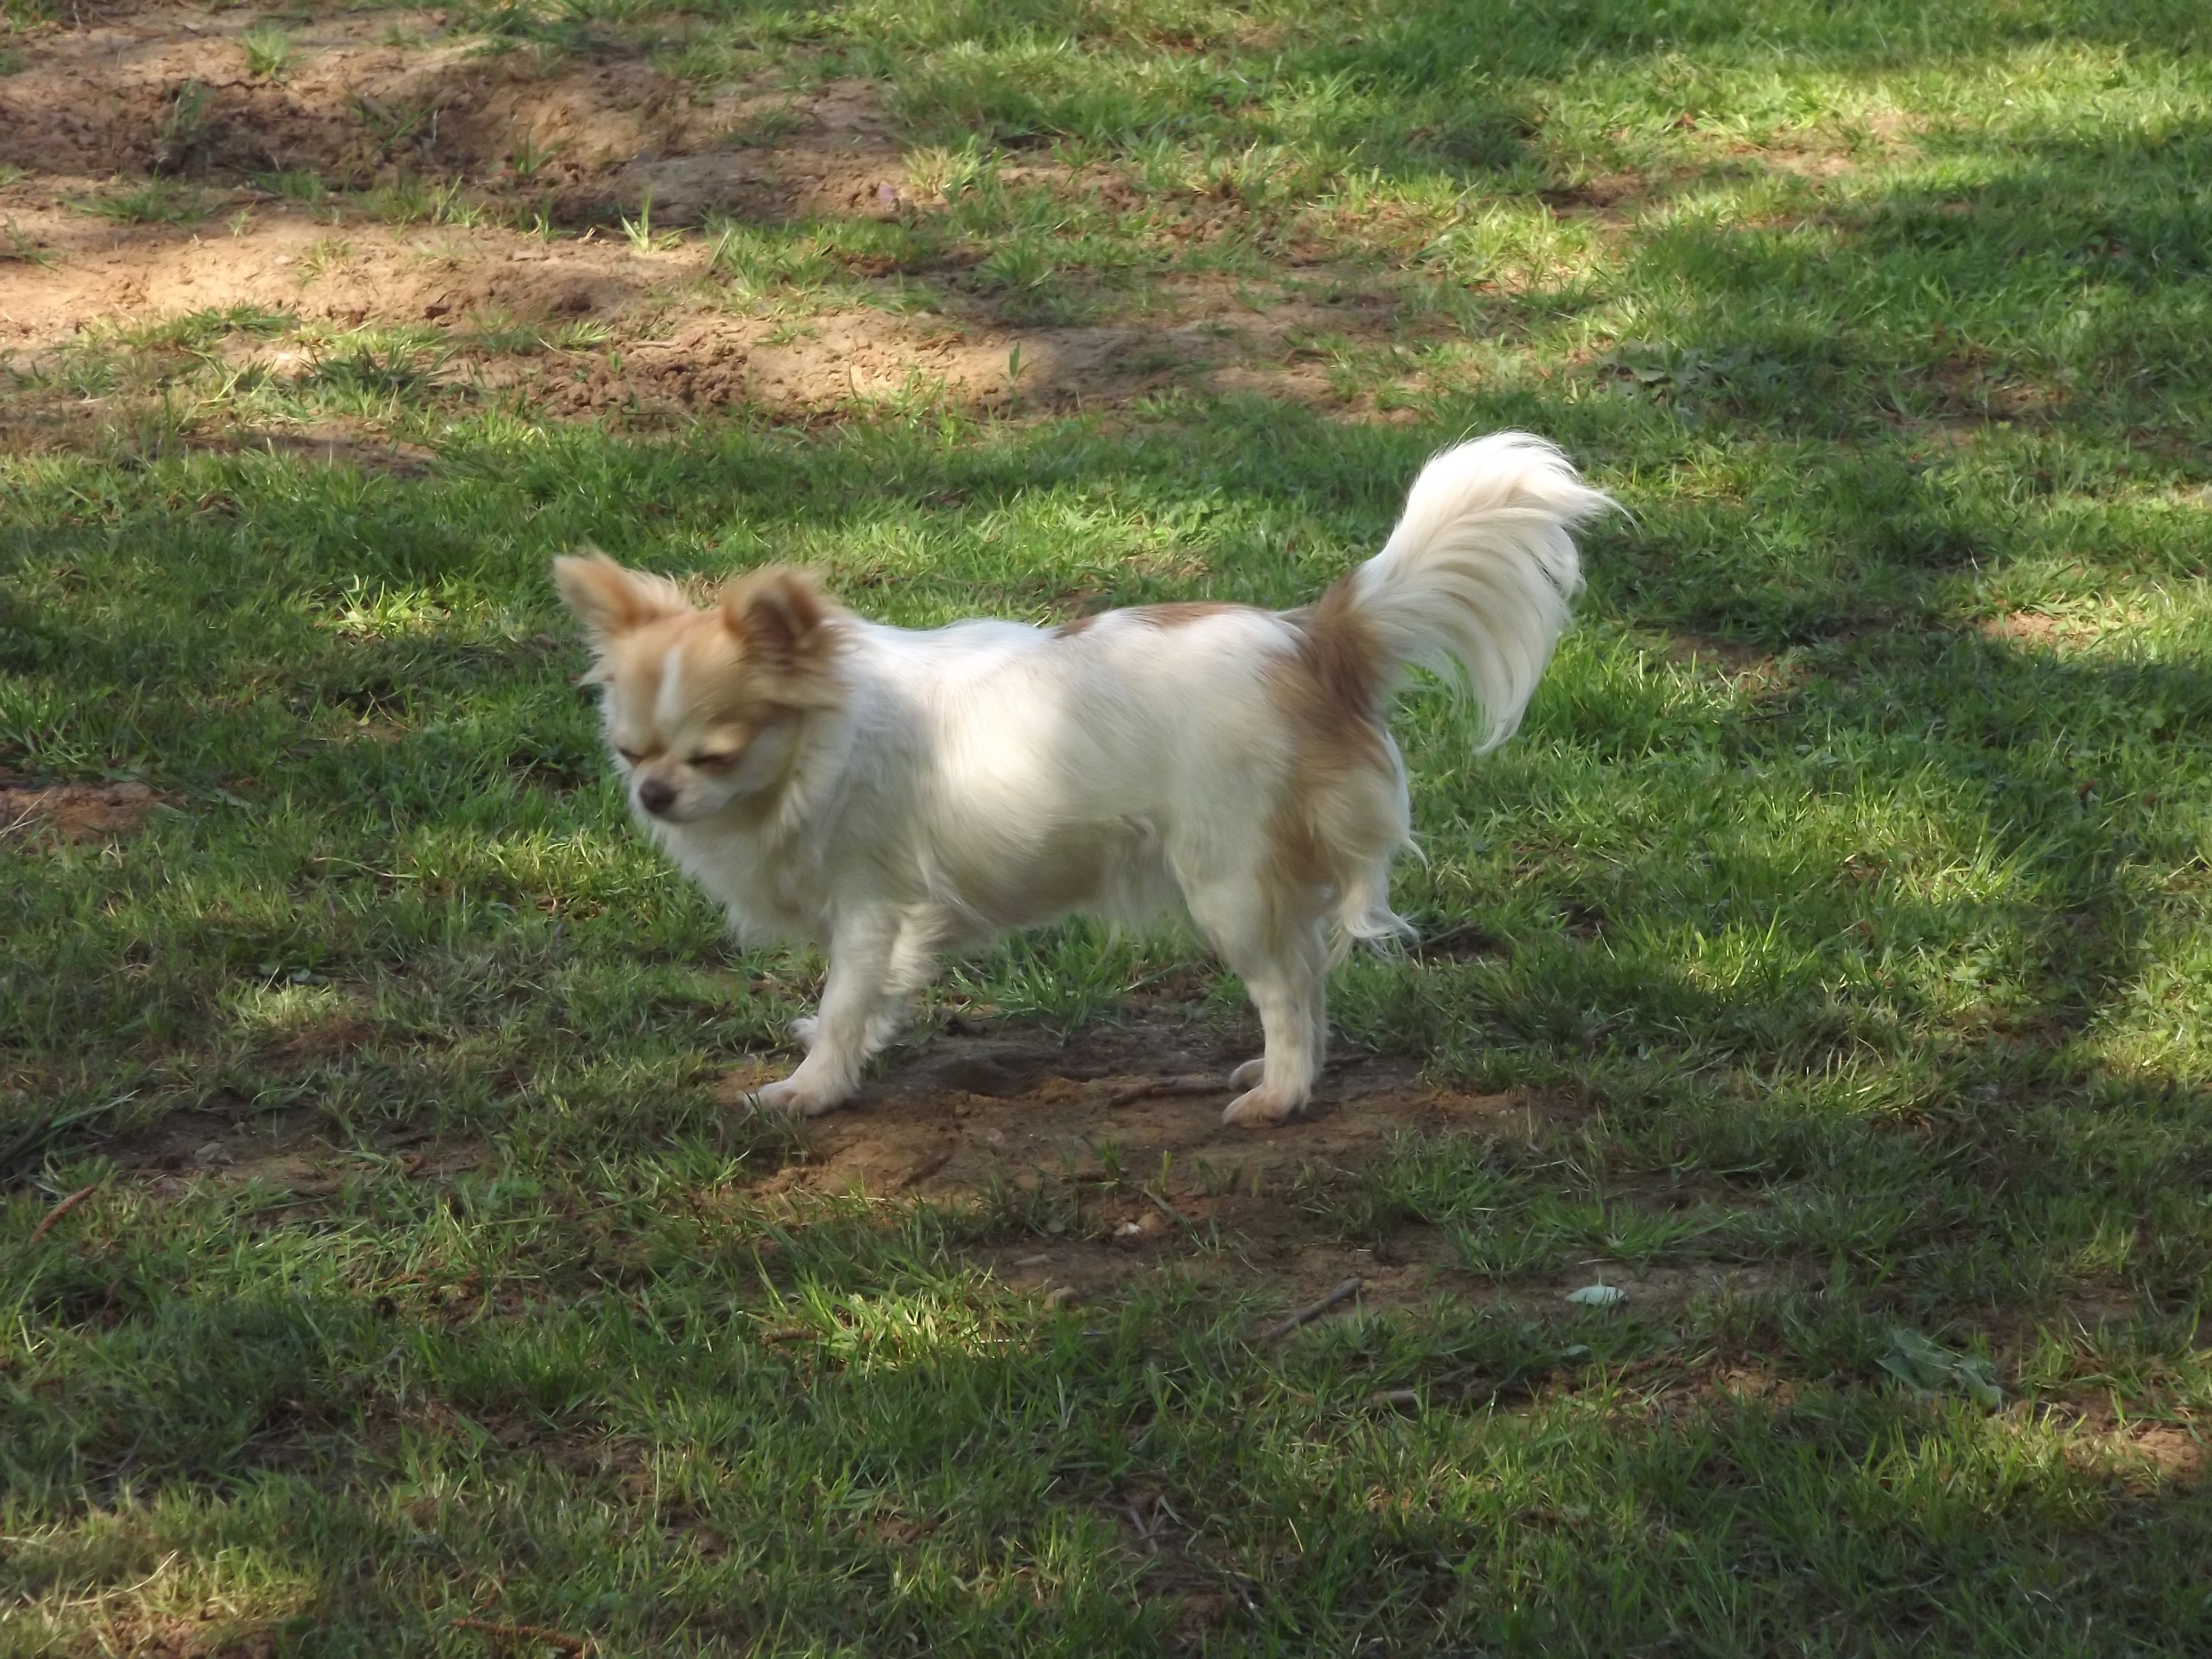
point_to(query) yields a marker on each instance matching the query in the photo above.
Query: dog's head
(706, 709)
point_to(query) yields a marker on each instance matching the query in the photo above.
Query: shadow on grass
(2039, 763)
(638, 1456)
(1884, 944)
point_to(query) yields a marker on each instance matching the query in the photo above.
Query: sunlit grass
(1841, 904)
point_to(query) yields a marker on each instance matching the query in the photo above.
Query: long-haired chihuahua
(892, 794)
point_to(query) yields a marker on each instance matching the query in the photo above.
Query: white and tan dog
(891, 793)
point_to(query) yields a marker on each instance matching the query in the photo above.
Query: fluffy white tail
(1477, 580)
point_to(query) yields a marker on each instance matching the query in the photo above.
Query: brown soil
(1746, 668)
(43, 815)
(369, 94)
(2038, 631)
(2028, 627)
(2143, 1452)
(375, 98)
(1114, 1143)
(2173, 1450)
(959, 1111)
(146, 1634)
(1111, 1145)
(288, 1152)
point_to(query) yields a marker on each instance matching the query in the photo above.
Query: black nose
(656, 795)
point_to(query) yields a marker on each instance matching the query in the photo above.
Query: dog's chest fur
(774, 888)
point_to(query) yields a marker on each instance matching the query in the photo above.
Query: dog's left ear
(777, 612)
(784, 622)
(610, 600)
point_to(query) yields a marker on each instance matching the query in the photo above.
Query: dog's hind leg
(1284, 964)
(923, 932)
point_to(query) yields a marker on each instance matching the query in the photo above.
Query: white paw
(1247, 1074)
(800, 1098)
(1258, 1108)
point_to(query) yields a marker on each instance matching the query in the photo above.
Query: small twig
(1343, 1293)
(1394, 1400)
(61, 1210)
(1186, 1083)
(1166, 1208)
(787, 1334)
(552, 1638)
(922, 1170)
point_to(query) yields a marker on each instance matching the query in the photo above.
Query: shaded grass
(1848, 880)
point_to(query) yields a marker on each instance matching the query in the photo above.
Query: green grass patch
(270, 52)
(1842, 904)
(151, 202)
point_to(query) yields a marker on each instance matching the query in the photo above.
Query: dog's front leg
(845, 1028)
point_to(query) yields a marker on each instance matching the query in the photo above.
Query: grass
(268, 51)
(640, 235)
(529, 156)
(410, 200)
(184, 122)
(17, 244)
(150, 202)
(300, 188)
(324, 255)
(1844, 899)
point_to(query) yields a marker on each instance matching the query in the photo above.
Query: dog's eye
(630, 756)
(718, 761)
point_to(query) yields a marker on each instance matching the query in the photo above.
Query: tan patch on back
(1175, 613)
(1180, 613)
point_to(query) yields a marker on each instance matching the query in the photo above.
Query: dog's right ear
(609, 600)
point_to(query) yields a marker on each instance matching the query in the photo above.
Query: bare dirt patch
(398, 174)
(668, 345)
(1748, 669)
(290, 261)
(1116, 1139)
(2041, 630)
(34, 815)
(961, 1111)
(2176, 1451)
(850, 358)
(838, 157)
(1112, 1144)
(1972, 389)
(2144, 1452)
(2027, 626)
(287, 1153)
(153, 1634)
(1105, 1155)
(367, 96)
